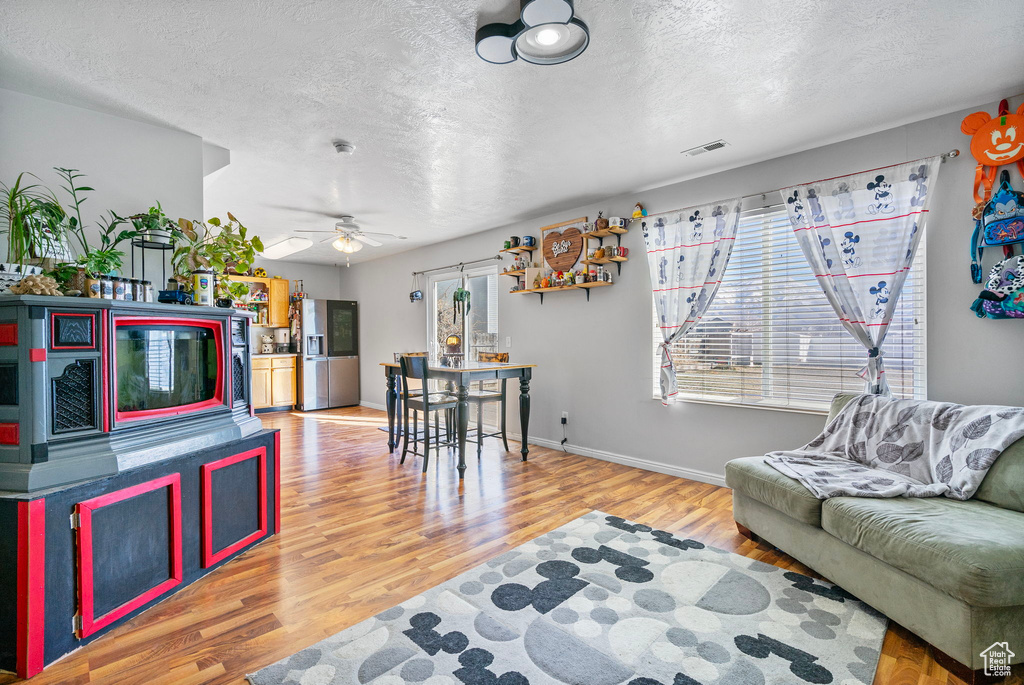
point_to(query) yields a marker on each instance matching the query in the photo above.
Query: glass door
(453, 332)
(342, 328)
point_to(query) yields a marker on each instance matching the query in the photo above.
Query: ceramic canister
(202, 288)
(93, 286)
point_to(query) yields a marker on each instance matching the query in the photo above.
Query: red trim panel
(53, 332)
(8, 334)
(90, 623)
(218, 398)
(211, 557)
(37, 354)
(105, 393)
(31, 587)
(277, 481)
(9, 434)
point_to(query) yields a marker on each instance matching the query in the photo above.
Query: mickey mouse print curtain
(687, 252)
(859, 233)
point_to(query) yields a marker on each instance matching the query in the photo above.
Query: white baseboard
(645, 464)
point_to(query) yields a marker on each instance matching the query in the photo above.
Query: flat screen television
(166, 367)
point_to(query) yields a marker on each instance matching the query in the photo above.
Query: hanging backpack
(1001, 224)
(1003, 297)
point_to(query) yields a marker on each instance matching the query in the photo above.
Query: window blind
(771, 339)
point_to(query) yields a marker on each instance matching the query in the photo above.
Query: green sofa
(952, 572)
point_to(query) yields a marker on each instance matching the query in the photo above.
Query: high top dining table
(461, 376)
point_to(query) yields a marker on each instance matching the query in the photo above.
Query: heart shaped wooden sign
(563, 249)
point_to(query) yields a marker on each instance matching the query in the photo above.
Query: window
(477, 331)
(771, 339)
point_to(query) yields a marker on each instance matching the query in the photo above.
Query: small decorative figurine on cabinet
(638, 211)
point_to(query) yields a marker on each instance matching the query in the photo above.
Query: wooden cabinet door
(278, 315)
(282, 386)
(261, 388)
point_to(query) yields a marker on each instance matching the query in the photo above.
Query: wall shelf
(518, 272)
(518, 250)
(606, 232)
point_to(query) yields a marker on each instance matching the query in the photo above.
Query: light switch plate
(508, 341)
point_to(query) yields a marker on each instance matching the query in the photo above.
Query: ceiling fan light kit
(347, 245)
(547, 32)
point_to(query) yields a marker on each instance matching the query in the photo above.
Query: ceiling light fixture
(547, 32)
(286, 247)
(347, 245)
(343, 148)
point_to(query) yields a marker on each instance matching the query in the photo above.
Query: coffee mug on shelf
(514, 240)
(616, 222)
(529, 241)
(508, 244)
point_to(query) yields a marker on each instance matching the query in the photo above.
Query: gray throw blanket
(883, 447)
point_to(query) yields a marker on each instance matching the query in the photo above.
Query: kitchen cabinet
(273, 382)
(277, 298)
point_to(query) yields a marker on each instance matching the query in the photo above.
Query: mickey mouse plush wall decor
(995, 142)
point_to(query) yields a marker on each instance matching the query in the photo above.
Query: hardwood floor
(362, 533)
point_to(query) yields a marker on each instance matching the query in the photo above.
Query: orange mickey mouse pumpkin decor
(996, 142)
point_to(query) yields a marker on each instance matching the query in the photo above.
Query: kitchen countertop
(278, 354)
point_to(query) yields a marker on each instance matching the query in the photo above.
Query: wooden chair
(415, 390)
(480, 396)
(415, 368)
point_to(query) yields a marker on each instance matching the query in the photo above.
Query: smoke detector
(706, 147)
(343, 148)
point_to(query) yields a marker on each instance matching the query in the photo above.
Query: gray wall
(594, 359)
(131, 165)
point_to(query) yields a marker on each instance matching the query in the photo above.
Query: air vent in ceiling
(706, 147)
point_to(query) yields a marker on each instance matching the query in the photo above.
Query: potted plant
(107, 258)
(228, 292)
(154, 226)
(31, 216)
(226, 247)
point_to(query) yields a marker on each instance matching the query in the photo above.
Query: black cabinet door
(342, 328)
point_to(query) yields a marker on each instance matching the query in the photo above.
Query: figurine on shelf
(639, 212)
(601, 224)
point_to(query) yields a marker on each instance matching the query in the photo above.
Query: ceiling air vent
(706, 147)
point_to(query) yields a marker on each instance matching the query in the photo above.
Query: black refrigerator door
(342, 328)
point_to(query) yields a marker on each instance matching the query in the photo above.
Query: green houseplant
(154, 226)
(220, 247)
(32, 217)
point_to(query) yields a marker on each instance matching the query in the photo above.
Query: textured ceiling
(449, 145)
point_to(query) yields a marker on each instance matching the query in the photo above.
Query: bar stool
(480, 396)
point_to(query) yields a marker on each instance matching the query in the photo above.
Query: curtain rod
(943, 157)
(460, 265)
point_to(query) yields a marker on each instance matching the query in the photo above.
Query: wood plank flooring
(362, 533)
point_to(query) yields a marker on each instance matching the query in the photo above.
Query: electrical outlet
(565, 417)
(508, 341)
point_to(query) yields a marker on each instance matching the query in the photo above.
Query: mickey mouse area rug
(603, 601)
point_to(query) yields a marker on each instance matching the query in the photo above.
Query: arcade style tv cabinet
(131, 464)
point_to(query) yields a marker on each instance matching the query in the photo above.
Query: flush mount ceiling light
(547, 32)
(286, 247)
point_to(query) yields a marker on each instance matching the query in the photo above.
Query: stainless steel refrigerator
(330, 354)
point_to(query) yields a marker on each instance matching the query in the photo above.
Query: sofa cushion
(971, 550)
(757, 480)
(1004, 483)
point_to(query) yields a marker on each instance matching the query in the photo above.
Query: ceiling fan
(347, 237)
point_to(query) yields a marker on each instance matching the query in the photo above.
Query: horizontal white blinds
(771, 339)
